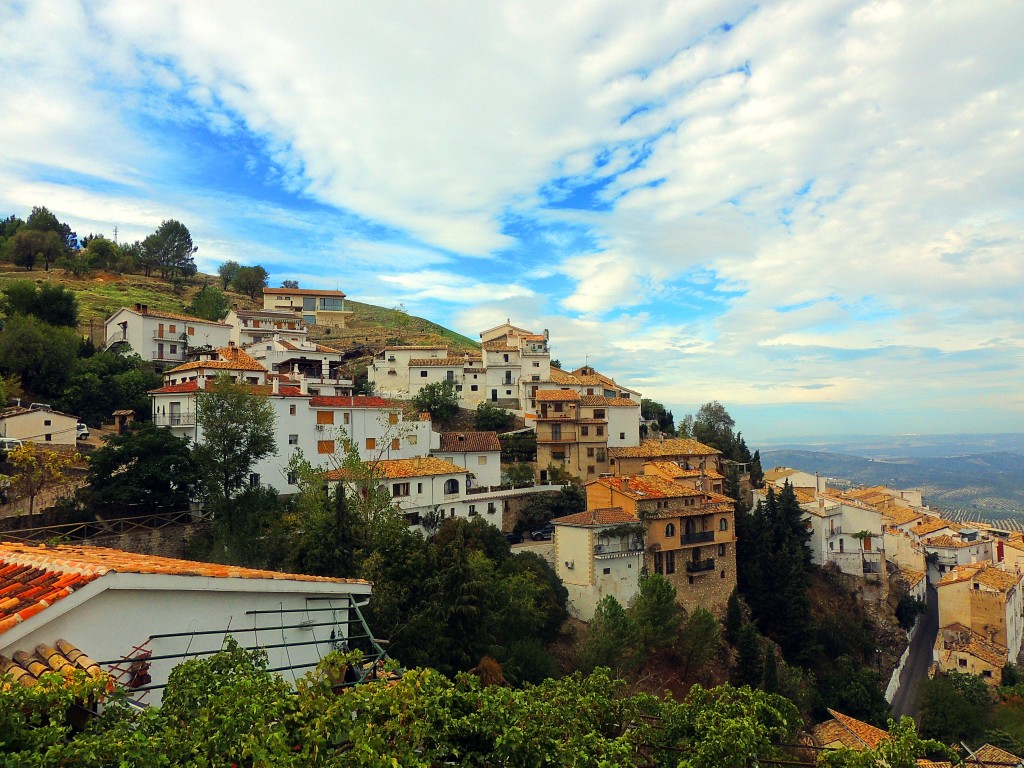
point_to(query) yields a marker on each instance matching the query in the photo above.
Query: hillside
(370, 327)
(976, 486)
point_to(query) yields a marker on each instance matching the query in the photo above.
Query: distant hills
(968, 477)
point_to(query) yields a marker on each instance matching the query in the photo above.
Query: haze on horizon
(810, 212)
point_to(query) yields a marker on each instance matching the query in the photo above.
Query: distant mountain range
(967, 477)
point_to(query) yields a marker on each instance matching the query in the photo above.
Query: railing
(697, 538)
(837, 531)
(173, 356)
(96, 528)
(696, 566)
(618, 549)
(175, 420)
(166, 335)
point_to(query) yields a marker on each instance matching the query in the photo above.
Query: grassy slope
(101, 294)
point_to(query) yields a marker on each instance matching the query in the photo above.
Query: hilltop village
(616, 523)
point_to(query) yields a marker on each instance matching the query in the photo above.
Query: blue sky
(811, 212)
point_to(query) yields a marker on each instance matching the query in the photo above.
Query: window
(393, 417)
(371, 443)
(606, 571)
(473, 387)
(293, 478)
(423, 374)
(172, 328)
(508, 391)
(396, 444)
(659, 562)
(419, 487)
(472, 510)
(590, 453)
(47, 422)
(174, 349)
(481, 460)
(590, 469)
(506, 358)
(254, 479)
(600, 454)
(325, 446)
(723, 575)
(599, 413)
(399, 489)
(723, 524)
(325, 417)
(345, 418)
(962, 662)
(451, 486)
(490, 508)
(721, 550)
(670, 529)
(192, 332)
(622, 435)
(536, 364)
(291, 410)
(293, 439)
(670, 562)
(585, 431)
(412, 439)
(49, 438)
(600, 431)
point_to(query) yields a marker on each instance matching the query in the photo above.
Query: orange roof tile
(868, 734)
(610, 402)
(34, 577)
(649, 487)
(901, 515)
(992, 755)
(301, 292)
(447, 362)
(358, 401)
(393, 469)
(932, 524)
(912, 577)
(597, 517)
(498, 346)
(678, 446)
(986, 574)
(945, 540)
(462, 442)
(61, 656)
(557, 396)
(159, 313)
(414, 348)
(232, 358)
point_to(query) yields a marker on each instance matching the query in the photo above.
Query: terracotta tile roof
(393, 469)
(358, 401)
(912, 577)
(414, 348)
(182, 388)
(994, 755)
(161, 314)
(649, 487)
(678, 446)
(463, 442)
(34, 577)
(868, 735)
(597, 517)
(958, 638)
(232, 358)
(610, 402)
(316, 347)
(673, 471)
(805, 495)
(558, 376)
(778, 473)
(945, 540)
(448, 362)
(985, 574)
(932, 524)
(557, 396)
(301, 292)
(532, 337)
(186, 387)
(498, 346)
(901, 515)
(61, 656)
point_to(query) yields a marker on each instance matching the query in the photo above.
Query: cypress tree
(749, 662)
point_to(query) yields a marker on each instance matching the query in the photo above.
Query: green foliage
(28, 247)
(521, 447)
(227, 273)
(654, 613)
(439, 399)
(700, 638)
(146, 467)
(490, 418)
(476, 534)
(106, 382)
(249, 280)
(733, 617)
(517, 474)
(856, 690)
(209, 303)
(901, 750)
(749, 658)
(170, 250)
(237, 430)
(649, 409)
(907, 611)
(548, 506)
(41, 219)
(609, 639)
(40, 354)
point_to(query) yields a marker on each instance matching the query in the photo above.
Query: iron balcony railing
(697, 538)
(618, 549)
(696, 566)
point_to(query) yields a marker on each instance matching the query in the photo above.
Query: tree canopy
(439, 399)
(249, 280)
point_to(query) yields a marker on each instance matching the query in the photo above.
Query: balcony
(698, 566)
(633, 547)
(171, 357)
(175, 420)
(166, 335)
(700, 537)
(564, 437)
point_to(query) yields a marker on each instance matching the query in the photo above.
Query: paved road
(916, 668)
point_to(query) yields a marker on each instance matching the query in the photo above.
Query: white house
(42, 425)
(598, 553)
(249, 326)
(162, 337)
(139, 616)
(299, 356)
(314, 306)
(944, 552)
(477, 452)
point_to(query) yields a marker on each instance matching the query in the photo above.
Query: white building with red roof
(249, 326)
(314, 306)
(162, 337)
(138, 616)
(477, 452)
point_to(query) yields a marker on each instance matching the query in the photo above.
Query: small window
(399, 489)
(491, 509)
(599, 413)
(472, 510)
(606, 571)
(423, 374)
(473, 387)
(670, 529)
(293, 478)
(371, 443)
(451, 486)
(291, 410)
(723, 524)
(590, 469)
(345, 418)
(670, 562)
(49, 438)
(536, 364)
(481, 460)
(722, 576)
(721, 550)
(585, 431)
(172, 329)
(590, 453)
(47, 422)
(412, 439)
(600, 431)
(393, 417)
(325, 417)
(325, 446)
(192, 332)
(419, 487)
(622, 435)
(689, 579)
(174, 349)
(962, 662)
(396, 444)
(254, 479)
(293, 439)
(508, 391)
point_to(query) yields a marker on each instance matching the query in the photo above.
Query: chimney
(625, 483)
(231, 345)
(138, 307)
(275, 387)
(303, 389)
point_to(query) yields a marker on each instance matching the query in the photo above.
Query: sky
(811, 212)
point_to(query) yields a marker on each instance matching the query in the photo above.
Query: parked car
(40, 407)
(7, 443)
(544, 533)
(81, 431)
(514, 537)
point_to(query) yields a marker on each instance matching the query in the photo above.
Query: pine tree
(770, 682)
(733, 617)
(749, 661)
